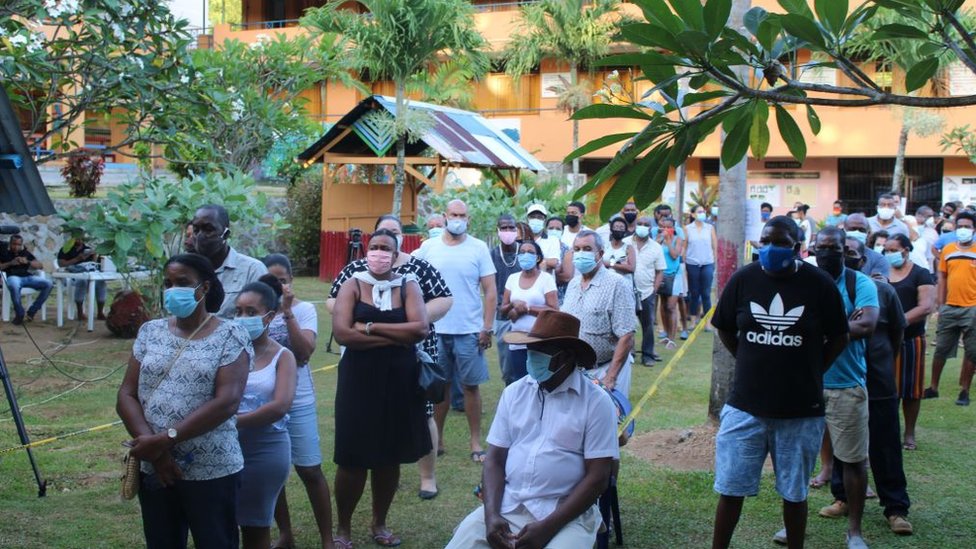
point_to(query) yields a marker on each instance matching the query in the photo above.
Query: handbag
(431, 378)
(130, 463)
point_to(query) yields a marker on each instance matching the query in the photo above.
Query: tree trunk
(898, 174)
(400, 173)
(573, 82)
(731, 241)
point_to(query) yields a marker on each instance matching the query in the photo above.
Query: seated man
(551, 448)
(80, 258)
(17, 263)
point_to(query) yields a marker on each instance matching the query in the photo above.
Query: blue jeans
(515, 365)
(205, 508)
(700, 288)
(81, 291)
(16, 283)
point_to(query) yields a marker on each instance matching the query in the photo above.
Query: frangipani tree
(398, 39)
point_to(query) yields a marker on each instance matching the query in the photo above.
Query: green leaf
(694, 42)
(694, 98)
(898, 30)
(753, 18)
(644, 34)
(736, 142)
(759, 133)
(813, 119)
(798, 7)
(921, 73)
(621, 190)
(690, 11)
(831, 13)
(768, 31)
(598, 144)
(601, 110)
(699, 80)
(656, 11)
(803, 28)
(716, 13)
(655, 177)
(791, 134)
(123, 242)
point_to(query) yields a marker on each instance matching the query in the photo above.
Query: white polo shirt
(548, 437)
(650, 260)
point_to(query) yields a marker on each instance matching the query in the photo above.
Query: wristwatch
(171, 434)
(490, 331)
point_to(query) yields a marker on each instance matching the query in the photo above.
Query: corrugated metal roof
(462, 137)
(21, 189)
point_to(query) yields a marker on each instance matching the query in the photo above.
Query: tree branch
(963, 33)
(966, 59)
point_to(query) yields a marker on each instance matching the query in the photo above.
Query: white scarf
(382, 289)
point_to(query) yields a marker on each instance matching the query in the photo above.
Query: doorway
(861, 180)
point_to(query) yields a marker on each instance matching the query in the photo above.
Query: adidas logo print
(775, 321)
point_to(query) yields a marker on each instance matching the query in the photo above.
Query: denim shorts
(462, 358)
(303, 428)
(744, 441)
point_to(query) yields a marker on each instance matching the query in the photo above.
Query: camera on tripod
(354, 250)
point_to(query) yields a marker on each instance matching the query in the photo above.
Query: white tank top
(260, 390)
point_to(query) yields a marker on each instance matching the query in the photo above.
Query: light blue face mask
(181, 301)
(584, 261)
(554, 233)
(537, 225)
(457, 227)
(537, 365)
(895, 259)
(642, 231)
(435, 232)
(253, 324)
(527, 261)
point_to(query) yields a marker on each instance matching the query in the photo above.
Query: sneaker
(963, 399)
(662, 334)
(856, 542)
(930, 393)
(18, 320)
(780, 537)
(836, 509)
(900, 525)
(684, 335)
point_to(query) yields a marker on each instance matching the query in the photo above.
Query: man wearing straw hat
(550, 448)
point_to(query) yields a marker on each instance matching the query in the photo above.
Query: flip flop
(478, 457)
(427, 494)
(341, 542)
(908, 446)
(388, 539)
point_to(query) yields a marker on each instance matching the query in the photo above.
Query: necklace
(501, 253)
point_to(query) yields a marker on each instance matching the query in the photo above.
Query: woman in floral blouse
(178, 401)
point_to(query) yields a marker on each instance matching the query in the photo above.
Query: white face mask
(886, 214)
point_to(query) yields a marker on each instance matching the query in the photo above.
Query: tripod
(19, 422)
(354, 251)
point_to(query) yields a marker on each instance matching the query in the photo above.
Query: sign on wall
(553, 83)
(800, 192)
(961, 189)
(962, 81)
(764, 192)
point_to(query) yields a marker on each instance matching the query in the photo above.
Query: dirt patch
(689, 449)
(76, 339)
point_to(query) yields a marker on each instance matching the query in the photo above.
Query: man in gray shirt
(211, 230)
(856, 226)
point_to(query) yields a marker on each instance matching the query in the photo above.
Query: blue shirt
(850, 368)
(836, 220)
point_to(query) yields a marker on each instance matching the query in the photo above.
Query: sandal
(389, 539)
(341, 542)
(478, 456)
(669, 344)
(908, 446)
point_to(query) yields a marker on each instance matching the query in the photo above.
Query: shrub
(82, 172)
(305, 216)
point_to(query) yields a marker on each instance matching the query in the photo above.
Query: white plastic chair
(26, 294)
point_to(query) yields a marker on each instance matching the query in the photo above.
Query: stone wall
(43, 236)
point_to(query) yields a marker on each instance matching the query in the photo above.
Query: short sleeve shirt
(307, 319)
(189, 384)
(6, 256)
(896, 226)
(850, 368)
(907, 290)
(432, 286)
(551, 248)
(874, 263)
(549, 436)
(462, 266)
(238, 271)
(959, 266)
(881, 352)
(605, 311)
(650, 260)
(781, 325)
(533, 296)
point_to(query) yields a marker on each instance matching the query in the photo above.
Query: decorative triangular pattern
(377, 134)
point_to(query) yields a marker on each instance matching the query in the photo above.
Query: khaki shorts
(953, 322)
(847, 422)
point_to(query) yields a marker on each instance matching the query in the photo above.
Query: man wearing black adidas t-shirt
(785, 323)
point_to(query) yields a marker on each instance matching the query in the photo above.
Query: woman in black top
(916, 291)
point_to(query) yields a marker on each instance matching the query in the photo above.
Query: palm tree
(575, 32)
(398, 39)
(449, 84)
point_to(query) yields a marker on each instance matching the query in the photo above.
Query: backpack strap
(850, 280)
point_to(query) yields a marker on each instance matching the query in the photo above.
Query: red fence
(334, 251)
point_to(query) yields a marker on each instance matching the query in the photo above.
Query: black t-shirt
(781, 325)
(907, 290)
(881, 352)
(505, 265)
(72, 253)
(7, 256)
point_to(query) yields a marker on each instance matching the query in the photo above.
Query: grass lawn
(660, 507)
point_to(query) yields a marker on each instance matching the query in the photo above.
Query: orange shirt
(959, 266)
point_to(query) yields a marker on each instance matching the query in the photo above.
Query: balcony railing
(264, 25)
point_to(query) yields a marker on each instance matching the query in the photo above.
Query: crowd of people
(827, 327)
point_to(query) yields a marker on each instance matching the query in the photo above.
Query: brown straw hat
(558, 328)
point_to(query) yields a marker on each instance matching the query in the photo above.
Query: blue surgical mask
(765, 216)
(253, 324)
(527, 261)
(964, 234)
(537, 225)
(584, 261)
(554, 233)
(715, 211)
(457, 227)
(642, 231)
(181, 300)
(537, 365)
(700, 216)
(895, 259)
(860, 236)
(776, 259)
(435, 232)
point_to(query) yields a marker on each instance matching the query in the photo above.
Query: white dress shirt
(548, 436)
(650, 260)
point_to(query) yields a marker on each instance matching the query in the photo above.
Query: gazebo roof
(462, 138)
(21, 189)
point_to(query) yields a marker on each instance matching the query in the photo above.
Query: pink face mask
(379, 261)
(507, 237)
